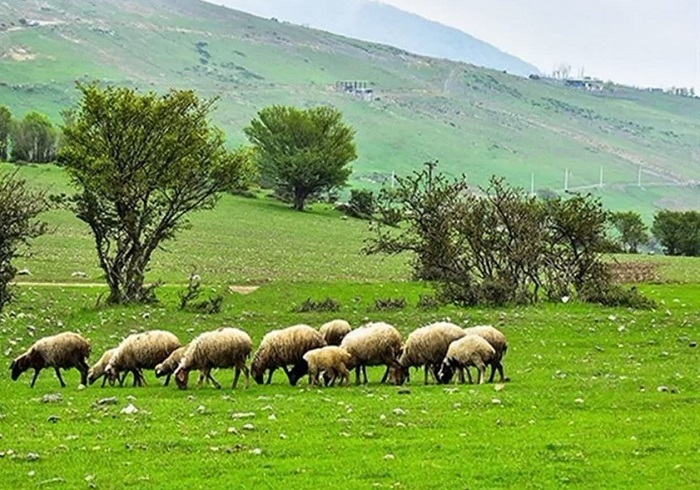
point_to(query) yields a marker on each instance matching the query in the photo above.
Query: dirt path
(231, 289)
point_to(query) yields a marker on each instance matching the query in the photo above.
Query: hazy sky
(638, 42)
(642, 42)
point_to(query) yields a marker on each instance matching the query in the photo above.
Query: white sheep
(282, 348)
(223, 348)
(97, 370)
(141, 351)
(372, 345)
(498, 341)
(62, 351)
(331, 360)
(470, 350)
(334, 331)
(426, 346)
(168, 366)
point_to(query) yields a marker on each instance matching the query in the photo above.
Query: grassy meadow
(598, 398)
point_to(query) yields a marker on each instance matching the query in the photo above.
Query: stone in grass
(32, 456)
(248, 427)
(53, 418)
(693, 344)
(51, 398)
(496, 401)
(112, 400)
(243, 415)
(578, 401)
(257, 451)
(129, 410)
(662, 389)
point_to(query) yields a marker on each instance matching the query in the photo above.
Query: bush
(390, 304)
(615, 295)
(327, 305)
(428, 302)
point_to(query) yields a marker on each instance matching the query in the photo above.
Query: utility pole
(600, 185)
(532, 184)
(566, 180)
(639, 176)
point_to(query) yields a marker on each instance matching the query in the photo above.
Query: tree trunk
(299, 200)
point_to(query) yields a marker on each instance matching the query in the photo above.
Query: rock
(693, 344)
(129, 410)
(496, 401)
(272, 416)
(24, 272)
(32, 456)
(404, 391)
(53, 418)
(243, 415)
(662, 389)
(248, 427)
(79, 274)
(257, 451)
(112, 400)
(398, 411)
(579, 401)
(52, 398)
(389, 457)
(499, 387)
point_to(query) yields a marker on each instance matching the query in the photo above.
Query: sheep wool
(373, 344)
(62, 351)
(426, 346)
(168, 367)
(331, 360)
(98, 369)
(498, 341)
(334, 331)
(470, 350)
(223, 348)
(141, 351)
(281, 348)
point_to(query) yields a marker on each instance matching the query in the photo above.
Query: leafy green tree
(19, 208)
(302, 153)
(631, 230)
(5, 128)
(142, 163)
(34, 139)
(678, 232)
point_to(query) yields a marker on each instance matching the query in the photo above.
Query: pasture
(599, 397)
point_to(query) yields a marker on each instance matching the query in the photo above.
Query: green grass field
(599, 397)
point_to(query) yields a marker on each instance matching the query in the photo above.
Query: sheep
(62, 351)
(426, 346)
(334, 331)
(98, 369)
(371, 345)
(141, 351)
(223, 348)
(280, 348)
(470, 350)
(331, 360)
(498, 341)
(168, 366)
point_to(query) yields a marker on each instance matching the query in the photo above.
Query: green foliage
(19, 207)
(5, 130)
(495, 246)
(34, 139)
(389, 304)
(142, 164)
(631, 230)
(678, 232)
(326, 305)
(302, 153)
(361, 204)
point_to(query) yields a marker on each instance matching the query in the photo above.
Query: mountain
(474, 120)
(385, 24)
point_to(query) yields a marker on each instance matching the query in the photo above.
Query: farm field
(599, 397)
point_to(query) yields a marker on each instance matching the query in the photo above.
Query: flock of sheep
(327, 354)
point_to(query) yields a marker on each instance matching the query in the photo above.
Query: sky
(648, 43)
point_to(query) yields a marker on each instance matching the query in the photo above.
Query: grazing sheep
(141, 351)
(331, 360)
(425, 346)
(223, 348)
(470, 350)
(498, 341)
(372, 345)
(281, 348)
(62, 351)
(168, 367)
(97, 371)
(334, 331)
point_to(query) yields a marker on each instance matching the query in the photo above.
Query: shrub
(327, 305)
(390, 304)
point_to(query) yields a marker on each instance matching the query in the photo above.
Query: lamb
(332, 361)
(427, 347)
(97, 371)
(498, 341)
(372, 345)
(470, 350)
(62, 351)
(280, 348)
(223, 348)
(334, 331)
(168, 366)
(141, 351)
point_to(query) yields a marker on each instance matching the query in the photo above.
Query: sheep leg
(36, 375)
(482, 373)
(237, 374)
(167, 380)
(357, 374)
(344, 375)
(214, 382)
(60, 378)
(269, 376)
(386, 374)
(425, 377)
(461, 375)
(104, 381)
(84, 369)
(246, 371)
(469, 375)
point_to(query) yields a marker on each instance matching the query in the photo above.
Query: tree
(632, 232)
(302, 153)
(19, 208)
(5, 128)
(678, 232)
(142, 164)
(34, 139)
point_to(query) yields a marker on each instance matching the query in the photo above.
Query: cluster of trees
(676, 232)
(499, 245)
(33, 139)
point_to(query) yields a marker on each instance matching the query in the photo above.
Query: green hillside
(475, 121)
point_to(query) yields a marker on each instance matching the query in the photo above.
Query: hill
(475, 121)
(381, 23)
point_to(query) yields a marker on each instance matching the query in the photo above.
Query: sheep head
(447, 370)
(299, 370)
(181, 378)
(20, 365)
